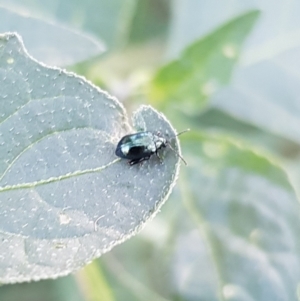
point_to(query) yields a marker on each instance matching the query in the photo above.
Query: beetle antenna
(177, 153)
(187, 130)
(169, 144)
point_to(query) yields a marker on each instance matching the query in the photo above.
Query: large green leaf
(64, 196)
(203, 67)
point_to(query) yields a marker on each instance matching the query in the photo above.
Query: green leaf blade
(65, 197)
(203, 66)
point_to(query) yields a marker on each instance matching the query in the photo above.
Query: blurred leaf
(63, 289)
(151, 19)
(246, 211)
(193, 275)
(93, 283)
(203, 67)
(195, 19)
(216, 121)
(50, 43)
(265, 88)
(61, 183)
(136, 271)
(109, 20)
(292, 167)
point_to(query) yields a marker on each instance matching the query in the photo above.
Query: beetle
(141, 146)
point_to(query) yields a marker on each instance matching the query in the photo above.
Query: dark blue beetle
(141, 146)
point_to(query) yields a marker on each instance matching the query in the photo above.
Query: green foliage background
(228, 71)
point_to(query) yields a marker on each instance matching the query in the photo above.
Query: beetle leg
(159, 156)
(136, 161)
